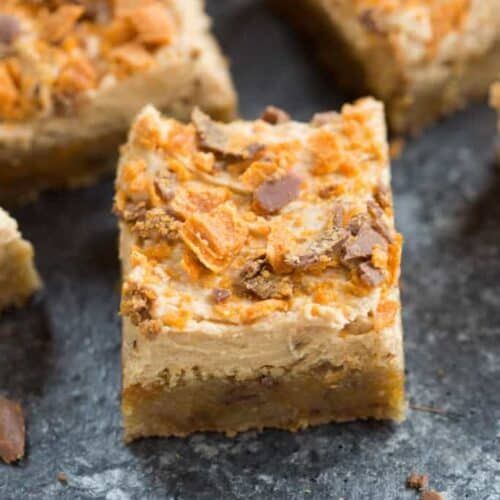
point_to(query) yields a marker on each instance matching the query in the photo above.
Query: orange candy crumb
(178, 319)
(153, 24)
(215, 237)
(263, 308)
(385, 315)
(78, 75)
(60, 23)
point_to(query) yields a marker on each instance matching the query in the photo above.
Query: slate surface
(60, 356)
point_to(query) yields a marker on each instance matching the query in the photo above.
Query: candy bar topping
(257, 277)
(273, 195)
(54, 54)
(9, 29)
(213, 138)
(232, 223)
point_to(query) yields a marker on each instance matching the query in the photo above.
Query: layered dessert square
(423, 58)
(74, 74)
(18, 276)
(260, 273)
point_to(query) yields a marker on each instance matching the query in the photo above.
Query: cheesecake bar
(260, 273)
(73, 74)
(18, 276)
(423, 58)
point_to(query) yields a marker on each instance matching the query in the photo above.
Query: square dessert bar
(423, 58)
(73, 75)
(260, 273)
(18, 276)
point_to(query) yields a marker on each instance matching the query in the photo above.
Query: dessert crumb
(420, 482)
(62, 478)
(417, 481)
(12, 431)
(275, 116)
(431, 495)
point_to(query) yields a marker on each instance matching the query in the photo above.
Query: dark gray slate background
(60, 356)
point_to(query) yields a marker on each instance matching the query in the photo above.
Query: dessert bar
(423, 58)
(74, 74)
(260, 273)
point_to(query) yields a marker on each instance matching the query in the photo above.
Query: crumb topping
(417, 481)
(156, 225)
(275, 116)
(257, 278)
(214, 139)
(215, 237)
(432, 20)
(234, 223)
(54, 53)
(272, 195)
(220, 295)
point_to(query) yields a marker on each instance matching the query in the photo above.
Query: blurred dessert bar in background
(423, 58)
(74, 74)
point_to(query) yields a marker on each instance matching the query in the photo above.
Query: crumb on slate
(417, 481)
(431, 495)
(420, 482)
(12, 431)
(62, 478)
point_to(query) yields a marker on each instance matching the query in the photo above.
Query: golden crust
(311, 255)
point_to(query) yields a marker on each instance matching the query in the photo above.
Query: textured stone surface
(60, 357)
